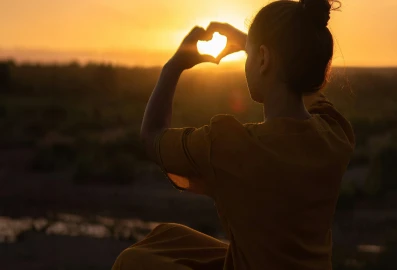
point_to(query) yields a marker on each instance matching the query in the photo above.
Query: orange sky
(146, 32)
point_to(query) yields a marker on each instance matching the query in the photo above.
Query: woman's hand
(187, 55)
(236, 39)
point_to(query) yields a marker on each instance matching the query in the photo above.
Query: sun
(214, 46)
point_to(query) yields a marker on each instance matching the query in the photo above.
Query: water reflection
(75, 225)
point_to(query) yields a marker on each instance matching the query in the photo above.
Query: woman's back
(275, 184)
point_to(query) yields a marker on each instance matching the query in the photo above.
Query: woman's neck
(281, 102)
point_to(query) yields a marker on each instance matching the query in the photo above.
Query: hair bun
(318, 11)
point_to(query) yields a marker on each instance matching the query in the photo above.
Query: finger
(229, 49)
(198, 33)
(203, 34)
(226, 51)
(222, 28)
(194, 32)
(208, 58)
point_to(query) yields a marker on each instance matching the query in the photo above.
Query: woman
(275, 184)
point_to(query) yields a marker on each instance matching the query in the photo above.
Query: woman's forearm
(158, 112)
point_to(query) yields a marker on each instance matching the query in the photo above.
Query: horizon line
(134, 58)
(231, 64)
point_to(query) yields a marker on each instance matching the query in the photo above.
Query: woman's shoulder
(224, 119)
(225, 122)
(229, 123)
(228, 131)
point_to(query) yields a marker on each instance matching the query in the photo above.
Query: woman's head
(290, 42)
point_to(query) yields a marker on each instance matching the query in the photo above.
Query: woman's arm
(158, 111)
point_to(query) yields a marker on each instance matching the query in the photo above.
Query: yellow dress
(275, 185)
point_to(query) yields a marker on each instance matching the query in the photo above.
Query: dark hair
(297, 33)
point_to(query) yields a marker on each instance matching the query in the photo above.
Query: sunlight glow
(102, 30)
(235, 57)
(212, 47)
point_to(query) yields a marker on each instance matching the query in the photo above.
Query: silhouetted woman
(275, 184)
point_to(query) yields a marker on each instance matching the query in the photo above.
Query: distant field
(76, 114)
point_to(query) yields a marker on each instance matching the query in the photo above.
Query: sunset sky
(146, 32)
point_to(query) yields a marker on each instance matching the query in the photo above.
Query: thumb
(223, 53)
(208, 58)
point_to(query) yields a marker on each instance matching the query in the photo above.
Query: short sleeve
(318, 104)
(184, 156)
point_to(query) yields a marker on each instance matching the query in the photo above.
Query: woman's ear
(264, 55)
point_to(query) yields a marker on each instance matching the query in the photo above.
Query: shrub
(54, 157)
(103, 169)
(383, 173)
(108, 163)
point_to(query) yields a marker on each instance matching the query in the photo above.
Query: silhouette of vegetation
(5, 75)
(95, 100)
(54, 157)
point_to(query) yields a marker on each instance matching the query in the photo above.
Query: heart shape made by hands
(213, 47)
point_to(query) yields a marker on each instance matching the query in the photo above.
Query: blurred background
(75, 186)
